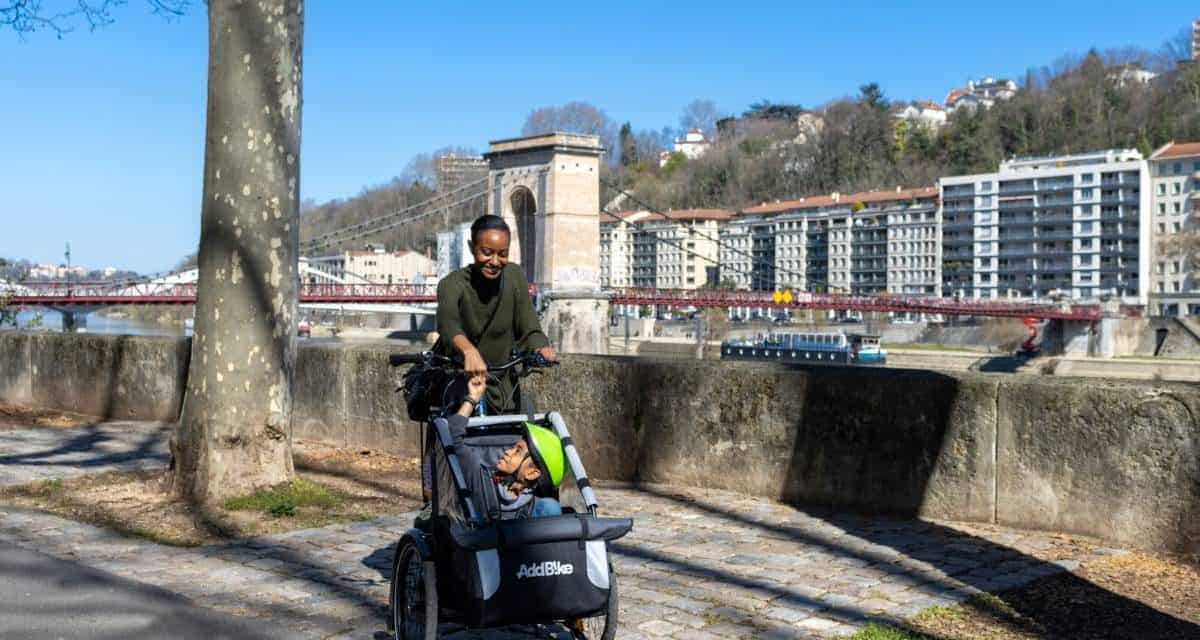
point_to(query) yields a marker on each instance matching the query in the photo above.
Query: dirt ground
(367, 485)
(12, 418)
(1129, 596)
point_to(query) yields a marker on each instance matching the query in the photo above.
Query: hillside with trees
(1079, 105)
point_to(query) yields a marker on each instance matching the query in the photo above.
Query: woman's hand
(473, 364)
(548, 353)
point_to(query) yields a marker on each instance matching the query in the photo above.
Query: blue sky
(101, 133)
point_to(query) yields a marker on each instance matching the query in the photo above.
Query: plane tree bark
(235, 430)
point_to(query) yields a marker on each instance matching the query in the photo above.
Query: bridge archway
(547, 187)
(524, 213)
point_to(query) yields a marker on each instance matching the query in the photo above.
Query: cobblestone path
(41, 454)
(699, 564)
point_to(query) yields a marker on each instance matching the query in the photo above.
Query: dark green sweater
(466, 300)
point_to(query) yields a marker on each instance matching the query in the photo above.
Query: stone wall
(117, 377)
(1120, 461)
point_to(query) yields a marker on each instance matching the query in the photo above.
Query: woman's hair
(488, 223)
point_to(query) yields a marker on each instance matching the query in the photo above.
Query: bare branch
(30, 16)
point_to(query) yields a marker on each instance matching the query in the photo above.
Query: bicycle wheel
(414, 595)
(604, 626)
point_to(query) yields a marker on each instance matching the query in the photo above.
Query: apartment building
(674, 250)
(866, 243)
(1074, 226)
(1175, 188)
(616, 248)
(376, 265)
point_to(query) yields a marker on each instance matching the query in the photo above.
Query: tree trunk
(235, 432)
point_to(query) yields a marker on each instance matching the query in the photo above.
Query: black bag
(423, 389)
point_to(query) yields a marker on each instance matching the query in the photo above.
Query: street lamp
(68, 254)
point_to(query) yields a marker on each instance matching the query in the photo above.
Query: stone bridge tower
(548, 189)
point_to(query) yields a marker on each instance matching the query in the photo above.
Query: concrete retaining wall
(121, 377)
(1120, 461)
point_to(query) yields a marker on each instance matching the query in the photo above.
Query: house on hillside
(985, 93)
(693, 145)
(925, 112)
(1126, 74)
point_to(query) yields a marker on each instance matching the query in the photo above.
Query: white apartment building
(1075, 226)
(735, 253)
(616, 248)
(375, 265)
(453, 251)
(1175, 189)
(865, 243)
(674, 250)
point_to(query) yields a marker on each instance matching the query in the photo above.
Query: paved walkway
(54, 452)
(699, 564)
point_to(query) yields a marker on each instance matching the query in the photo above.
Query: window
(1175, 227)
(1085, 194)
(1086, 178)
(1196, 165)
(1162, 227)
(1085, 227)
(985, 186)
(1176, 187)
(1175, 267)
(1177, 167)
(1162, 208)
(1175, 207)
(1162, 188)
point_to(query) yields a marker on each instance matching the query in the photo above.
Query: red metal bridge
(101, 294)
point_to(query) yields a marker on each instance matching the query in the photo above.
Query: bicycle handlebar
(531, 360)
(401, 359)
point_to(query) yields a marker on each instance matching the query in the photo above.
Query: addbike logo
(545, 569)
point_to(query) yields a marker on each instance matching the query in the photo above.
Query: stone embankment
(1116, 460)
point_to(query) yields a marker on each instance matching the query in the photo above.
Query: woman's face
(490, 249)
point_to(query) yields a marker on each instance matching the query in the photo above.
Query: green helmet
(546, 449)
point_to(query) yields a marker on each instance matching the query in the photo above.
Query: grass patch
(939, 612)
(284, 500)
(876, 631)
(141, 503)
(52, 485)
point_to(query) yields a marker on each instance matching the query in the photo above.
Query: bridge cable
(394, 224)
(332, 235)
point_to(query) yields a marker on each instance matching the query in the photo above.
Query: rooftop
(1177, 150)
(835, 198)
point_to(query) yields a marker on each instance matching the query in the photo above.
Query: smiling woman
(484, 310)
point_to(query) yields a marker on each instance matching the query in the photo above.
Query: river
(52, 321)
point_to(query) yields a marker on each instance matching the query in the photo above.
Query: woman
(484, 311)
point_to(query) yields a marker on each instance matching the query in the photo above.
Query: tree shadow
(961, 563)
(91, 441)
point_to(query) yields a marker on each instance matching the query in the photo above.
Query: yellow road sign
(778, 297)
(787, 297)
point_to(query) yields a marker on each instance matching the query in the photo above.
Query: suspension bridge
(387, 298)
